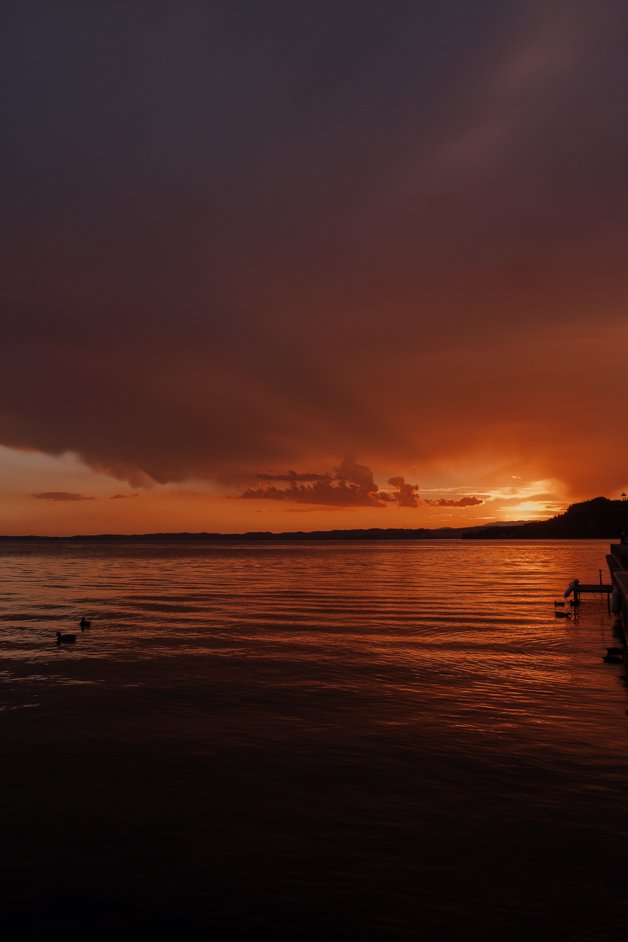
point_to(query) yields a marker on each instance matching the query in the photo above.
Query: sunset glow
(320, 267)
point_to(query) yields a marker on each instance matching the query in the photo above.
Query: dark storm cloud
(238, 236)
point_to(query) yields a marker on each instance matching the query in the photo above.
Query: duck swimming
(65, 639)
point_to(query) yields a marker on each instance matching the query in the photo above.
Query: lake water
(367, 740)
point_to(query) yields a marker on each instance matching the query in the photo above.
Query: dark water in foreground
(359, 740)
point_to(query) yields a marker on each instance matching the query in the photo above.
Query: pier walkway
(590, 588)
(617, 561)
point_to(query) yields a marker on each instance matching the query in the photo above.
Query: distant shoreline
(259, 536)
(596, 519)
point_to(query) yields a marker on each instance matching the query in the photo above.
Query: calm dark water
(388, 740)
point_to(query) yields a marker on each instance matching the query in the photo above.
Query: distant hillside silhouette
(598, 518)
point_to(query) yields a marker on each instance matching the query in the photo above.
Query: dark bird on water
(84, 623)
(65, 639)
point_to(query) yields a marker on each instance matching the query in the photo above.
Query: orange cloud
(351, 485)
(60, 496)
(457, 502)
(406, 495)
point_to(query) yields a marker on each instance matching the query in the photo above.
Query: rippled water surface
(375, 740)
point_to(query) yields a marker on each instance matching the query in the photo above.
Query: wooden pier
(617, 561)
(591, 588)
(616, 590)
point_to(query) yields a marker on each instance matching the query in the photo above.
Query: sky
(284, 266)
